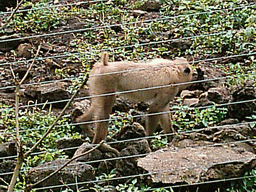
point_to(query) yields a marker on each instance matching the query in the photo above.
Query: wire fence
(114, 25)
(137, 155)
(143, 175)
(67, 54)
(91, 53)
(147, 137)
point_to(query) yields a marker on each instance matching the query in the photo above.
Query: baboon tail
(104, 58)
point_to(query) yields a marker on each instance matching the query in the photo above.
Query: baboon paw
(107, 148)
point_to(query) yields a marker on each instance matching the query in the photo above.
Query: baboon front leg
(166, 123)
(160, 104)
(102, 111)
(152, 122)
(101, 115)
(87, 116)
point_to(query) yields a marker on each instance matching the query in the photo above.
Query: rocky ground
(206, 149)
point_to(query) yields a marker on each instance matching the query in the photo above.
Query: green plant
(39, 18)
(159, 142)
(128, 187)
(186, 118)
(33, 124)
(164, 190)
(246, 184)
(241, 72)
(119, 120)
(104, 177)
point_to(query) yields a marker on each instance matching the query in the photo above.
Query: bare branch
(20, 153)
(30, 67)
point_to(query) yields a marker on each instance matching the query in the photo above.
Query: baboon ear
(187, 70)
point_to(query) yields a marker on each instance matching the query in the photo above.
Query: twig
(20, 153)
(17, 169)
(30, 67)
(3, 187)
(11, 16)
(5, 182)
(63, 166)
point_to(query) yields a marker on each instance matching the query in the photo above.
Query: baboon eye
(187, 70)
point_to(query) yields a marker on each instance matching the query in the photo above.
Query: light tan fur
(106, 78)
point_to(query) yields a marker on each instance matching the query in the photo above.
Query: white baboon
(110, 77)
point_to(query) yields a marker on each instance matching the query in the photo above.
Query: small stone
(24, 50)
(138, 13)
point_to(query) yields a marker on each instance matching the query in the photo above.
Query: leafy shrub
(33, 124)
(186, 118)
(41, 17)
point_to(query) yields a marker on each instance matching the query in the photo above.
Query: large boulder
(196, 164)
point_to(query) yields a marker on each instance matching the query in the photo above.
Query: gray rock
(5, 167)
(190, 94)
(151, 5)
(73, 173)
(218, 95)
(71, 143)
(94, 155)
(10, 44)
(129, 132)
(138, 13)
(24, 50)
(128, 166)
(191, 102)
(49, 92)
(8, 149)
(4, 4)
(242, 109)
(192, 165)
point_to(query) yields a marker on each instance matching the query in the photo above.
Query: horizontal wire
(145, 115)
(52, 6)
(78, 4)
(121, 92)
(136, 155)
(124, 92)
(148, 137)
(131, 176)
(137, 69)
(197, 61)
(158, 113)
(43, 82)
(114, 25)
(205, 182)
(136, 116)
(172, 186)
(67, 54)
(136, 139)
